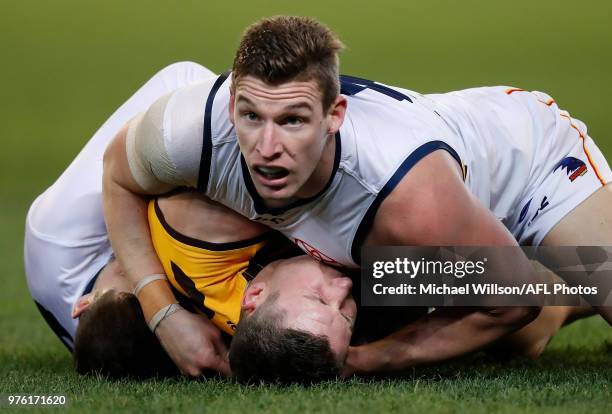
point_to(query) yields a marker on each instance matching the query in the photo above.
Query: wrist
(153, 296)
(383, 356)
(163, 314)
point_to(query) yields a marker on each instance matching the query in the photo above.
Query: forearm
(125, 213)
(444, 334)
(192, 342)
(128, 230)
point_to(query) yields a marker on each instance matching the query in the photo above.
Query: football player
(338, 163)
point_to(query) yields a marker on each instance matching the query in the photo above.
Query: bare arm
(126, 220)
(192, 342)
(444, 334)
(431, 206)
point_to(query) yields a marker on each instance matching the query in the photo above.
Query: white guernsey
(66, 243)
(524, 159)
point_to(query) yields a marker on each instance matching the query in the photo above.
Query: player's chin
(276, 193)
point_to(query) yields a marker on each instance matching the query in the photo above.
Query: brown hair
(113, 340)
(283, 48)
(263, 351)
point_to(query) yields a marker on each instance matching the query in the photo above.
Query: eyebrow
(242, 98)
(318, 299)
(298, 105)
(315, 298)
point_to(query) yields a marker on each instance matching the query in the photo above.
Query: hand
(193, 343)
(350, 363)
(366, 359)
(356, 362)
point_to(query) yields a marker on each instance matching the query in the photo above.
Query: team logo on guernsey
(524, 211)
(315, 253)
(543, 204)
(573, 166)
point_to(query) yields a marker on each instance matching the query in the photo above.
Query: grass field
(67, 64)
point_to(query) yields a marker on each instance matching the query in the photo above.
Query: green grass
(573, 376)
(67, 64)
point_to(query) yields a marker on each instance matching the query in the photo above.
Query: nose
(269, 147)
(339, 290)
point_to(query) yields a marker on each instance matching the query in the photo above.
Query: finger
(347, 372)
(220, 346)
(222, 366)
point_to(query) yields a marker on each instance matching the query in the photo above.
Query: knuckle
(195, 372)
(192, 371)
(202, 359)
(519, 315)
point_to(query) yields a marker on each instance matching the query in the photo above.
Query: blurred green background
(66, 65)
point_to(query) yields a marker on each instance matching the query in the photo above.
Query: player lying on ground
(210, 268)
(209, 253)
(315, 333)
(336, 164)
(66, 248)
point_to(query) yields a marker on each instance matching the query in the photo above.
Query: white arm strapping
(147, 155)
(146, 281)
(162, 314)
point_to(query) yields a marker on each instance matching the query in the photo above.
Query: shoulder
(175, 135)
(422, 201)
(431, 206)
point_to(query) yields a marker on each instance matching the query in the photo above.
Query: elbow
(108, 158)
(115, 151)
(515, 317)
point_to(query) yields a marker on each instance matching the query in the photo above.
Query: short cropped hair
(284, 48)
(113, 340)
(264, 351)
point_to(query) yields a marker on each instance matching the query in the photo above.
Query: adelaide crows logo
(575, 167)
(315, 253)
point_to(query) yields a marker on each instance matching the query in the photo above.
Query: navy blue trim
(206, 156)
(258, 202)
(55, 326)
(201, 243)
(351, 85)
(92, 281)
(188, 285)
(413, 158)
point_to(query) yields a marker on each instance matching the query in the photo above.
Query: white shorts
(527, 160)
(66, 244)
(568, 167)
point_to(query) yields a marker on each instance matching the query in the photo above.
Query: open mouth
(272, 173)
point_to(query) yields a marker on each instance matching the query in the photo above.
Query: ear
(252, 296)
(82, 304)
(336, 114)
(231, 106)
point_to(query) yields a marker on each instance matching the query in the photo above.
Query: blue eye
(251, 116)
(294, 120)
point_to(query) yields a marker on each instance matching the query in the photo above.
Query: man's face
(283, 133)
(315, 298)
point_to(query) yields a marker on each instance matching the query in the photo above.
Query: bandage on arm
(148, 158)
